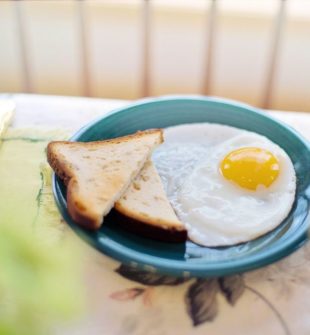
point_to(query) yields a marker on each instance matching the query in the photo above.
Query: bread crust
(140, 133)
(61, 170)
(78, 211)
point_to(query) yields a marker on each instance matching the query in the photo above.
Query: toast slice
(145, 209)
(98, 173)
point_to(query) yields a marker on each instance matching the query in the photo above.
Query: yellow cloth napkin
(7, 108)
(25, 181)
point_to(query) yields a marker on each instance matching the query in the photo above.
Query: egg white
(216, 211)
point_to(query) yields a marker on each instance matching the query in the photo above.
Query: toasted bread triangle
(98, 173)
(146, 209)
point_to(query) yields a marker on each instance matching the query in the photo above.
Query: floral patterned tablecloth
(121, 300)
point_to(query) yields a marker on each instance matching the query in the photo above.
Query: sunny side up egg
(227, 185)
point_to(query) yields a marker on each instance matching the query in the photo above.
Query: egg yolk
(250, 167)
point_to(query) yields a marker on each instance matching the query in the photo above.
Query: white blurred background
(255, 51)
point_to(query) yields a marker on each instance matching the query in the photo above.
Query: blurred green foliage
(40, 284)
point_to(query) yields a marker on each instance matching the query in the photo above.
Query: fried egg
(227, 185)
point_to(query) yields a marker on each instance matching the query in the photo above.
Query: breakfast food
(98, 173)
(226, 185)
(144, 207)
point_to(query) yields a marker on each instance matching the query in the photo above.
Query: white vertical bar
(23, 47)
(146, 32)
(210, 40)
(274, 54)
(84, 52)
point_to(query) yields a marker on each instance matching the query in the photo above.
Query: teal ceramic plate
(190, 259)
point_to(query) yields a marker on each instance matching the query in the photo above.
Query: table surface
(273, 300)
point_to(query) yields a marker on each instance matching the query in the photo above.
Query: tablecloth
(121, 300)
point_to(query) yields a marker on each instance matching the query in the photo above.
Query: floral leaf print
(128, 294)
(201, 300)
(232, 288)
(148, 278)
